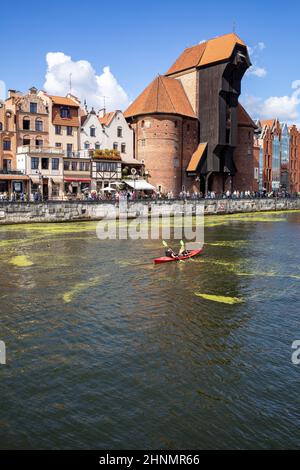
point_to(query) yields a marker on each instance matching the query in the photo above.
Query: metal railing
(40, 150)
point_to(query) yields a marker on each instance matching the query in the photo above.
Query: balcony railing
(10, 172)
(40, 150)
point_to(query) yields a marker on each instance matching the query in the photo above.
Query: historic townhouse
(11, 181)
(186, 123)
(64, 122)
(294, 164)
(279, 154)
(35, 157)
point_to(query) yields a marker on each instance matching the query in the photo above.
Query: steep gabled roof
(268, 122)
(244, 119)
(163, 96)
(209, 52)
(107, 118)
(63, 101)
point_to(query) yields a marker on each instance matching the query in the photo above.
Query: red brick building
(279, 156)
(189, 128)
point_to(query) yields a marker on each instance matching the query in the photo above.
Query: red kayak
(168, 259)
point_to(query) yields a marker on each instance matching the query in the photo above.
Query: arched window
(143, 123)
(26, 140)
(39, 125)
(86, 145)
(26, 123)
(97, 146)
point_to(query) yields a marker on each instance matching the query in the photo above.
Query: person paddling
(170, 253)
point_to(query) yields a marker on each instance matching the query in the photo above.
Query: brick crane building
(188, 123)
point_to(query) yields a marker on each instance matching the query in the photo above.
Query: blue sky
(139, 39)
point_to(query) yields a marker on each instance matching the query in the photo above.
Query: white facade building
(92, 132)
(109, 131)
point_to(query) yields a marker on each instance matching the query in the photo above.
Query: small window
(86, 145)
(65, 112)
(66, 165)
(115, 146)
(1, 126)
(26, 124)
(26, 140)
(33, 108)
(39, 125)
(39, 143)
(120, 132)
(57, 130)
(123, 148)
(69, 130)
(74, 166)
(188, 127)
(143, 123)
(175, 124)
(45, 163)
(58, 144)
(55, 163)
(34, 163)
(69, 150)
(6, 145)
(97, 146)
(92, 131)
(143, 142)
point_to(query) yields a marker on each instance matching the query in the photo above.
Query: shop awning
(78, 180)
(196, 158)
(57, 179)
(13, 177)
(139, 185)
(35, 179)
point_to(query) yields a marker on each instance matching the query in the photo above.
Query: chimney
(12, 93)
(102, 113)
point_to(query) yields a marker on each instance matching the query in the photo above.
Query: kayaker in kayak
(170, 253)
(183, 251)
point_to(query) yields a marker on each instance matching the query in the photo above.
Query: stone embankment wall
(16, 213)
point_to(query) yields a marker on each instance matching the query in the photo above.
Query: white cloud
(285, 108)
(202, 41)
(254, 53)
(2, 90)
(257, 71)
(86, 84)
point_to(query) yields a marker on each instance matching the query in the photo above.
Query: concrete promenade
(63, 211)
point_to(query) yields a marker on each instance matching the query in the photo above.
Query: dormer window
(65, 112)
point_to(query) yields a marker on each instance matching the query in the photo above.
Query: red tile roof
(214, 50)
(107, 118)
(244, 119)
(196, 158)
(63, 101)
(164, 95)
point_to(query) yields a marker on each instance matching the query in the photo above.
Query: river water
(106, 350)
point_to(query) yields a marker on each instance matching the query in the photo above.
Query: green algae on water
(82, 286)
(21, 261)
(220, 299)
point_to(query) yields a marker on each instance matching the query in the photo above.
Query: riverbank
(61, 211)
